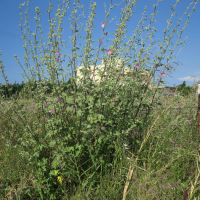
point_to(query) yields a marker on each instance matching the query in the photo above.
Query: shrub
(75, 147)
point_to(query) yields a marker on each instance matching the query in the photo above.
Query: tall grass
(165, 167)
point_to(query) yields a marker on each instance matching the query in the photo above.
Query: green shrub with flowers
(95, 142)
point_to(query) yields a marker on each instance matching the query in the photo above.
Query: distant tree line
(184, 90)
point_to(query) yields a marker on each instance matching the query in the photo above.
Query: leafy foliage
(183, 89)
(79, 140)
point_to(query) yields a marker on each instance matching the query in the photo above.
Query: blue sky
(11, 42)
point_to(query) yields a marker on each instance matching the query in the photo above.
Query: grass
(163, 167)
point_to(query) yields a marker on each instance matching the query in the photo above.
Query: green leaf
(77, 153)
(102, 49)
(79, 113)
(99, 139)
(52, 143)
(90, 178)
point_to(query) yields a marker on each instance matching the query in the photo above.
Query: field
(165, 168)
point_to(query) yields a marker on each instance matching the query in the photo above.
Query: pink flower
(50, 111)
(137, 66)
(57, 59)
(148, 83)
(104, 75)
(60, 55)
(106, 33)
(156, 66)
(163, 74)
(101, 42)
(59, 99)
(59, 37)
(106, 68)
(102, 24)
(109, 51)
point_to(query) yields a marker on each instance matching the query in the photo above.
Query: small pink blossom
(104, 75)
(156, 66)
(137, 66)
(148, 83)
(106, 33)
(59, 37)
(56, 51)
(103, 24)
(57, 59)
(109, 51)
(163, 74)
(60, 55)
(101, 42)
(59, 99)
(106, 68)
(50, 111)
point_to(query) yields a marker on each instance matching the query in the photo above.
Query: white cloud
(189, 78)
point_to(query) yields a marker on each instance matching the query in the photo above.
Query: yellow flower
(94, 118)
(60, 179)
(56, 172)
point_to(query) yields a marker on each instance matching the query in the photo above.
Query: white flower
(125, 145)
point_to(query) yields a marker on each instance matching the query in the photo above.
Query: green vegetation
(167, 160)
(184, 90)
(98, 142)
